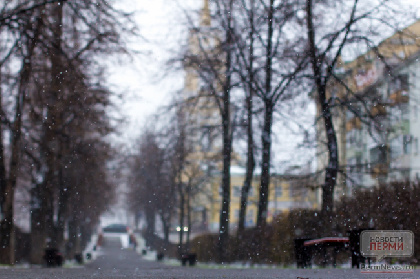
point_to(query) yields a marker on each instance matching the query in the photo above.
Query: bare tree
(271, 71)
(10, 173)
(215, 69)
(55, 21)
(11, 13)
(248, 80)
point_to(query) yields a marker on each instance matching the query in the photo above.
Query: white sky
(142, 80)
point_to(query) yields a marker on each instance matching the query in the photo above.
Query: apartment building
(377, 125)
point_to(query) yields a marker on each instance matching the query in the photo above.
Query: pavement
(115, 262)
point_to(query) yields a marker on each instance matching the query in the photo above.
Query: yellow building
(203, 120)
(286, 192)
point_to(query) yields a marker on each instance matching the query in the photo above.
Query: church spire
(205, 14)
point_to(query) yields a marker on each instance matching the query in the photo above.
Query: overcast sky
(141, 79)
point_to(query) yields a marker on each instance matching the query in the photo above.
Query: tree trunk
(166, 229)
(265, 168)
(3, 177)
(250, 161)
(85, 235)
(63, 198)
(181, 224)
(187, 243)
(7, 230)
(320, 83)
(250, 165)
(268, 119)
(150, 224)
(332, 168)
(227, 144)
(165, 217)
(224, 212)
(73, 242)
(4, 230)
(58, 236)
(38, 231)
(53, 122)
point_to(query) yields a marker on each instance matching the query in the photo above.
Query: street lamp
(178, 229)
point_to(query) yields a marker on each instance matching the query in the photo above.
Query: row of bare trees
(257, 58)
(166, 176)
(54, 119)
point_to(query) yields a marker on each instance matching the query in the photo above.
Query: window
(395, 114)
(396, 147)
(379, 154)
(359, 167)
(210, 168)
(295, 188)
(249, 218)
(236, 213)
(405, 112)
(398, 83)
(407, 140)
(405, 174)
(251, 191)
(206, 139)
(278, 191)
(237, 191)
(351, 165)
(354, 138)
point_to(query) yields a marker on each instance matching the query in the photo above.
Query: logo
(381, 244)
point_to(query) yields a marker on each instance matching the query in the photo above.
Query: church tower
(203, 112)
(205, 15)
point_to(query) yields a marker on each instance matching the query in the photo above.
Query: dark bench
(190, 258)
(160, 256)
(78, 258)
(305, 247)
(53, 257)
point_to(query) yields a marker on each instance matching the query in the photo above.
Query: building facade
(377, 123)
(286, 192)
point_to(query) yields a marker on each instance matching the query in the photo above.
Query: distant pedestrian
(133, 241)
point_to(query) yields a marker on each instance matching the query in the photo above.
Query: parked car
(118, 231)
(116, 228)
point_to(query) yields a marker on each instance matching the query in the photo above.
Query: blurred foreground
(116, 262)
